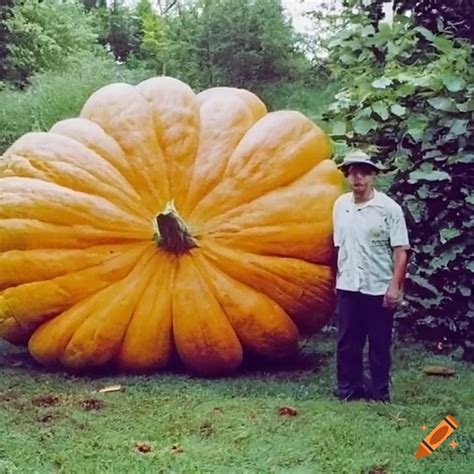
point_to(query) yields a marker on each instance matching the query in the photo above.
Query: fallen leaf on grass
(206, 429)
(398, 418)
(176, 449)
(111, 388)
(143, 448)
(438, 370)
(287, 411)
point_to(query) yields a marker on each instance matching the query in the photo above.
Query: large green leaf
(442, 103)
(381, 110)
(363, 113)
(459, 127)
(432, 154)
(442, 260)
(448, 234)
(467, 106)
(423, 191)
(433, 175)
(426, 302)
(416, 209)
(398, 110)
(368, 30)
(426, 33)
(338, 128)
(465, 157)
(382, 83)
(364, 125)
(443, 44)
(453, 83)
(416, 127)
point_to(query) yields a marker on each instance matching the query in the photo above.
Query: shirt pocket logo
(378, 237)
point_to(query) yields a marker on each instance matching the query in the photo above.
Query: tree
(122, 31)
(90, 4)
(5, 11)
(44, 35)
(455, 16)
(212, 42)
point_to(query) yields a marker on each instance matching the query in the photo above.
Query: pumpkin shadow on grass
(295, 365)
(303, 362)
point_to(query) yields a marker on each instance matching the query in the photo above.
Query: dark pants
(359, 317)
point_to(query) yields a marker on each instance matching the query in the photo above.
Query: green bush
(42, 35)
(408, 98)
(53, 96)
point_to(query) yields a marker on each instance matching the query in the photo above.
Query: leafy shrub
(413, 108)
(53, 95)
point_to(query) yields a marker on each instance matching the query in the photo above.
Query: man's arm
(395, 288)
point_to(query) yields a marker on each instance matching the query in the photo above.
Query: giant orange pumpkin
(162, 221)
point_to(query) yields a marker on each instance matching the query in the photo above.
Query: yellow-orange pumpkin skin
(163, 221)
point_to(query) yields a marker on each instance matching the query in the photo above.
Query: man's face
(360, 177)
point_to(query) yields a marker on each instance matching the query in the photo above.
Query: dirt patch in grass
(91, 404)
(9, 396)
(143, 448)
(50, 400)
(377, 469)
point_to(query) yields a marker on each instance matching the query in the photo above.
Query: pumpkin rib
(97, 340)
(225, 117)
(124, 113)
(205, 340)
(27, 266)
(292, 221)
(300, 288)
(278, 149)
(50, 340)
(50, 202)
(148, 341)
(316, 180)
(261, 325)
(75, 179)
(93, 137)
(256, 105)
(49, 148)
(31, 304)
(175, 115)
(266, 242)
(38, 234)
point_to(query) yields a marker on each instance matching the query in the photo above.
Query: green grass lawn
(55, 422)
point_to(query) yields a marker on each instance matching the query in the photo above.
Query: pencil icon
(437, 437)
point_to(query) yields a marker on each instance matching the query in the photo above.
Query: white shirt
(365, 235)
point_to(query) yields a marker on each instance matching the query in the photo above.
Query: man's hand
(392, 297)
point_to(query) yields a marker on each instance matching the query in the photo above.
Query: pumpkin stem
(174, 235)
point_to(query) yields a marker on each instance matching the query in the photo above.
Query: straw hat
(359, 157)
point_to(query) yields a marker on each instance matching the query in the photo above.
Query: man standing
(372, 244)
